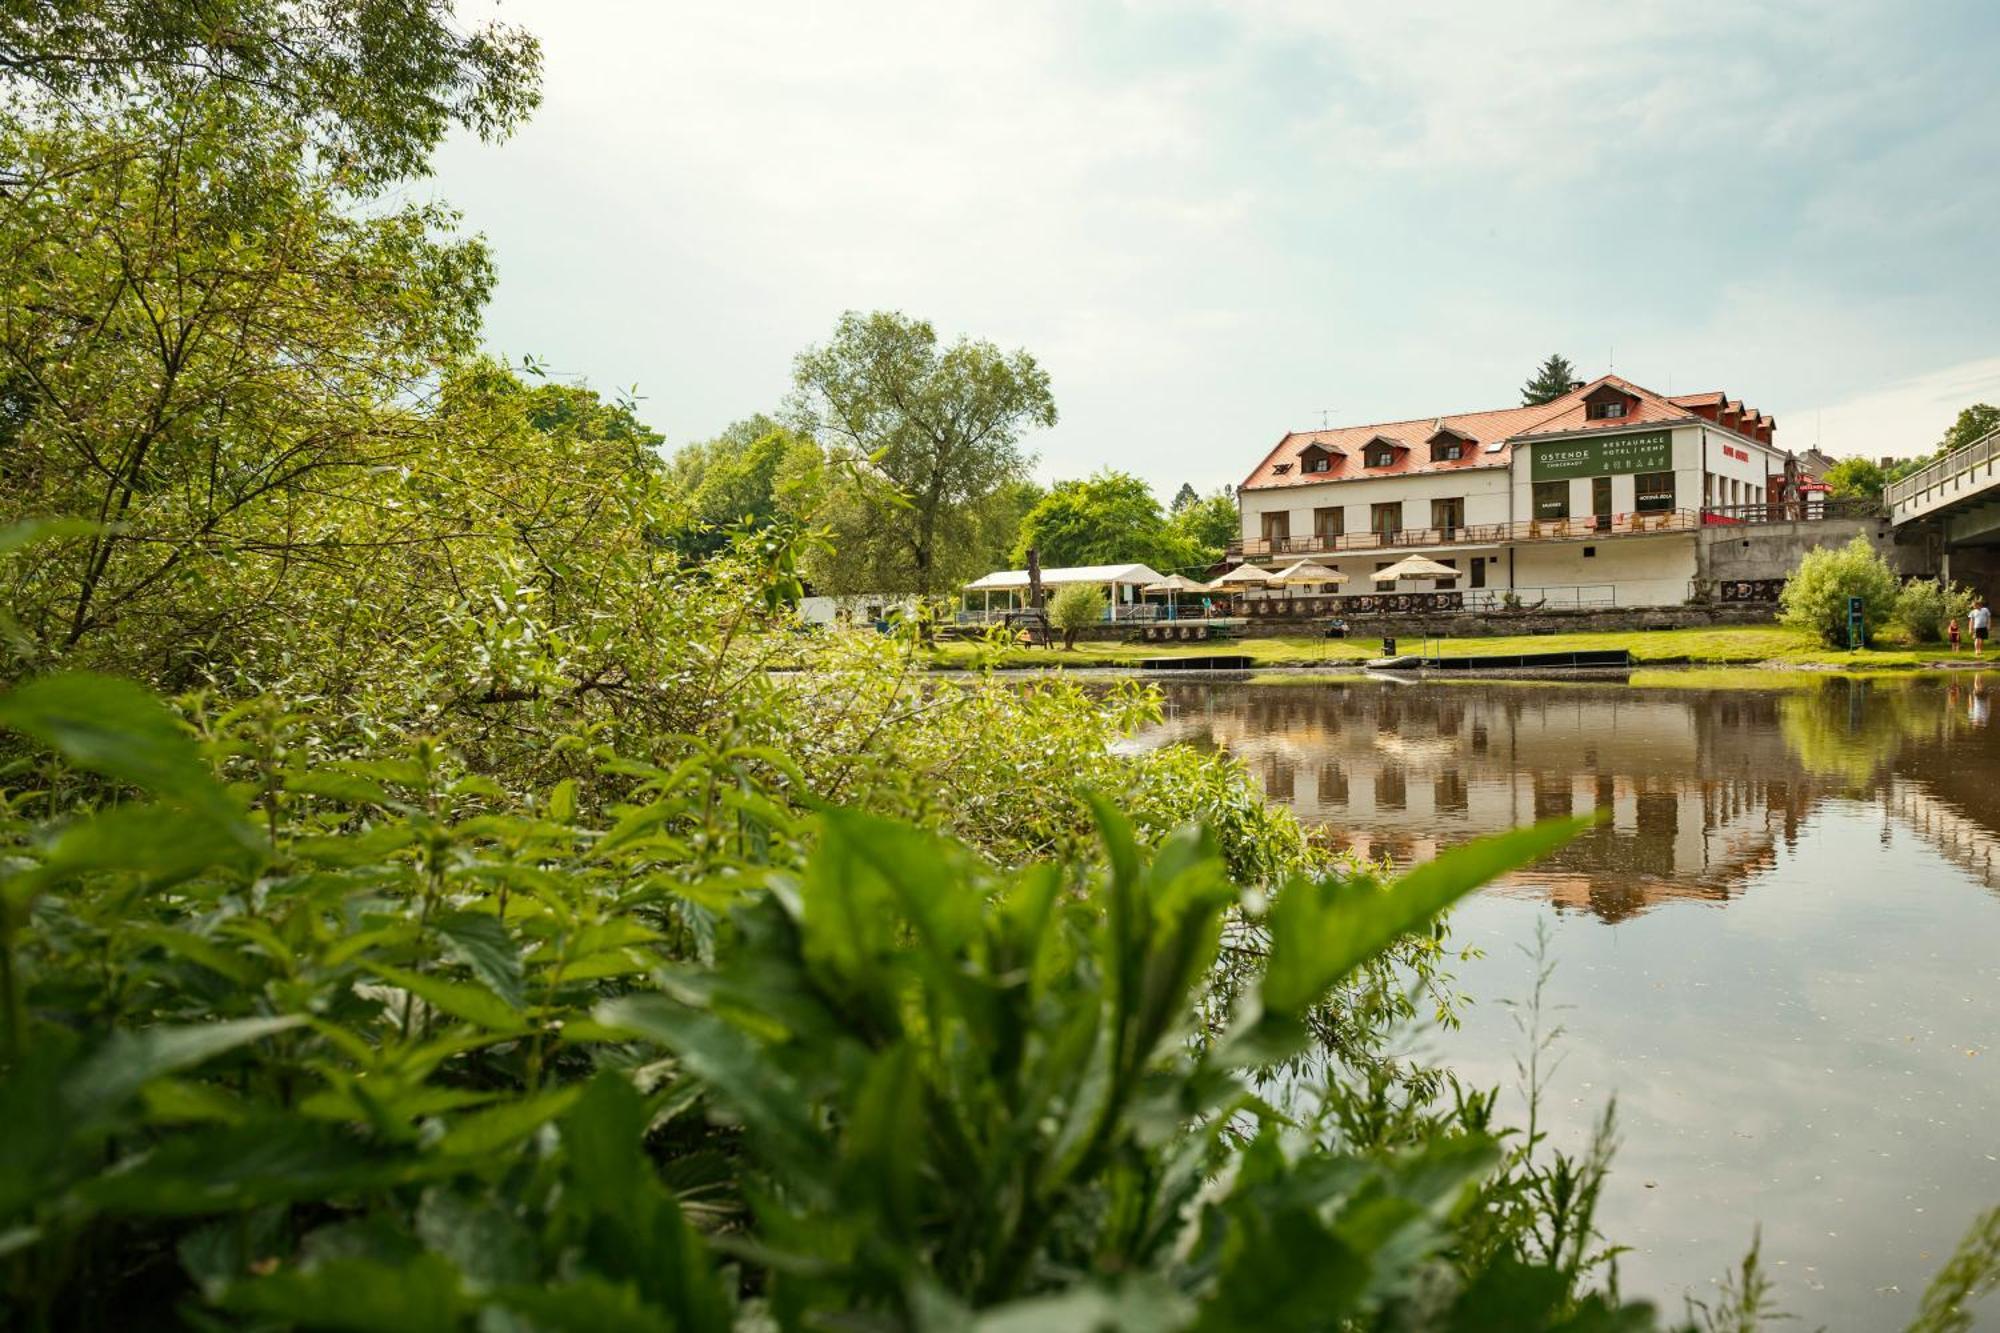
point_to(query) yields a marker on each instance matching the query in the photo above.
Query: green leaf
(480, 941)
(496, 1127)
(635, 1230)
(474, 1004)
(484, 1240)
(359, 1296)
(730, 1063)
(116, 728)
(129, 1060)
(1321, 931)
(159, 842)
(587, 1304)
(16, 536)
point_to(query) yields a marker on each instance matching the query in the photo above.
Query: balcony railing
(1587, 527)
(1582, 528)
(1317, 605)
(1810, 509)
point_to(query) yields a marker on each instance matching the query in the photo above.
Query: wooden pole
(1040, 624)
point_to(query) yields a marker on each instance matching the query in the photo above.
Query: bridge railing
(1932, 477)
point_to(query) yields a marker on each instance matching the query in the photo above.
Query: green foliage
(1971, 1274)
(931, 434)
(1108, 519)
(212, 345)
(377, 85)
(395, 1062)
(1856, 478)
(1206, 527)
(1925, 607)
(1974, 424)
(1815, 597)
(1183, 497)
(1076, 606)
(754, 473)
(1551, 381)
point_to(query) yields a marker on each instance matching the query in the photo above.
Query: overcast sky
(1213, 222)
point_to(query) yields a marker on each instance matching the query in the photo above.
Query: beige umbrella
(1176, 584)
(1308, 571)
(1414, 567)
(1246, 574)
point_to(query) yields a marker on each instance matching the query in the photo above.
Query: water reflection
(1818, 1058)
(1700, 785)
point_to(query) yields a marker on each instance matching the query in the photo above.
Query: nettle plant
(350, 1046)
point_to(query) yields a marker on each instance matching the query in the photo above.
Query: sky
(1212, 223)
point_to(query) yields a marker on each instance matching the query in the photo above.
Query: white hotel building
(1595, 498)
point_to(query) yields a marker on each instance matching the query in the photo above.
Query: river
(1781, 951)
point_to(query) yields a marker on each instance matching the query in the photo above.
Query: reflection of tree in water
(1701, 785)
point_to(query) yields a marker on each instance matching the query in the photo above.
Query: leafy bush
(357, 1045)
(1925, 606)
(1075, 607)
(1815, 597)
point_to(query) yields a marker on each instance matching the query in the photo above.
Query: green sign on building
(1647, 451)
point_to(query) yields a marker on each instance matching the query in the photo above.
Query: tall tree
(206, 337)
(1184, 497)
(376, 86)
(938, 428)
(1207, 526)
(1975, 423)
(1109, 518)
(1856, 478)
(1550, 382)
(747, 474)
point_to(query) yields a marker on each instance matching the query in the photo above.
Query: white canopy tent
(1111, 577)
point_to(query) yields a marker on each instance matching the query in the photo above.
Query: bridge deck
(1960, 479)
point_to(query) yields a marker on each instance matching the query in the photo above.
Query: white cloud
(1210, 220)
(1900, 420)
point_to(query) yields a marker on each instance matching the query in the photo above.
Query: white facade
(1623, 537)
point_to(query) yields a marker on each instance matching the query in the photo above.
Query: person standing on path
(1953, 628)
(1982, 621)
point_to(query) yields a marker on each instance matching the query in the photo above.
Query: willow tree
(931, 434)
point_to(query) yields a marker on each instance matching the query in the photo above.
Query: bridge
(1957, 497)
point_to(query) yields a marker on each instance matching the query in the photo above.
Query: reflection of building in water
(1699, 786)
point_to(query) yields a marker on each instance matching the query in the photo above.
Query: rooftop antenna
(1324, 412)
(1611, 357)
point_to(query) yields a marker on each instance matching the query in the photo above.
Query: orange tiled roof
(1566, 414)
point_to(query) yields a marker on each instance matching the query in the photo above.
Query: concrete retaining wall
(1773, 550)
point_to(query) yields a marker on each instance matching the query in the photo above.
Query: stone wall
(1485, 624)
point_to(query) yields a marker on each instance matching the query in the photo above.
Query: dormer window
(1447, 451)
(1315, 458)
(1607, 402)
(1380, 455)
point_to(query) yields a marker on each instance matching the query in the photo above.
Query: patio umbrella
(1246, 574)
(1174, 585)
(1308, 571)
(1414, 567)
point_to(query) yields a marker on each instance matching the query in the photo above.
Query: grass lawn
(1734, 645)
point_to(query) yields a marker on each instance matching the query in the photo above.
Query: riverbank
(1760, 646)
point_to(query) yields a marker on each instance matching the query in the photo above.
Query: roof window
(1280, 469)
